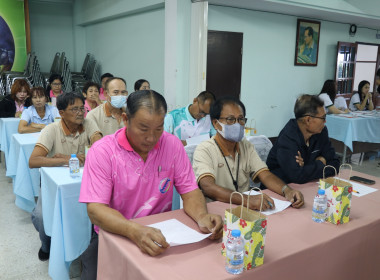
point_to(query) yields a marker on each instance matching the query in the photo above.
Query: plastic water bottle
(319, 207)
(74, 166)
(235, 253)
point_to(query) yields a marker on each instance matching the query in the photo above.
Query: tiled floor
(19, 242)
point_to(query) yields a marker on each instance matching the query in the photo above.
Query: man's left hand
(295, 197)
(211, 223)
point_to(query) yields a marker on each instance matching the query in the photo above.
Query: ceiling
(363, 13)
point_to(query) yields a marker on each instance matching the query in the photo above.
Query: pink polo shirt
(114, 174)
(101, 94)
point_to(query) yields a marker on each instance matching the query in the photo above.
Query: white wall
(270, 81)
(51, 31)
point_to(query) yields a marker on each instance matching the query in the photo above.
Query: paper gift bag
(339, 194)
(252, 225)
(250, 130)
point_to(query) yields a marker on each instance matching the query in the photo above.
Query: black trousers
(90, 259)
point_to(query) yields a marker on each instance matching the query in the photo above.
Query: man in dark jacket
(303, 147)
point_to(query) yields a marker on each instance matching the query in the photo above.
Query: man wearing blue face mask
(108, 115)
(227, 161)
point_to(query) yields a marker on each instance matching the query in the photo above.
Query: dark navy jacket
(281, 159)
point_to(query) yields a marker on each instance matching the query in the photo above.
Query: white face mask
(232, 132)
(118, 101)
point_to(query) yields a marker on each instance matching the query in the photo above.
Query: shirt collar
(188, 115)
(66, 130)
(122, 139)
(225, 152)
(107, 109)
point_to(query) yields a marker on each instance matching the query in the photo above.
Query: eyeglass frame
(321, 118)
(235, 120)
(76, 110)
(56, 84)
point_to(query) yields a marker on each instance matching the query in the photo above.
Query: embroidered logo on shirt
(164, 185)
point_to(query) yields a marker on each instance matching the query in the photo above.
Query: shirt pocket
(164, 182)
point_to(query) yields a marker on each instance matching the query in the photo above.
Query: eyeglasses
(76, 110)
(321, 118)
(56, 84)
(232, 120)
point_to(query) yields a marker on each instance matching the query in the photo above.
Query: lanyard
(235, 182)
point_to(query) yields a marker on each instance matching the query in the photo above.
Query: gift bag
(251, 129)
(339, 194)
(252, 225)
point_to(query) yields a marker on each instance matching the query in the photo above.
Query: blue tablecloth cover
(9, 126)
(65, 219)
(26, 181)
(347, 130)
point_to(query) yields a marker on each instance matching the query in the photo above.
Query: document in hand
(280, 205)
(176, 233)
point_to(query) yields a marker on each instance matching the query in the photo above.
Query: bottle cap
(321, 191)
(73, 155)
(235, 233)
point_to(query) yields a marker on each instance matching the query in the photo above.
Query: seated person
(192, 120)
(328, 94)
(39, 115)
(107, 116)
(56, 144)
(303, 146)
(104, 78)
(122, 176)
(91, 93)
(55, 88)
(362, 100)
(142, 85)
(226, 162)
(13, 104)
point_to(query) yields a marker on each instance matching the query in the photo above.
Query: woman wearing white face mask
(108, 115)
(227, 161)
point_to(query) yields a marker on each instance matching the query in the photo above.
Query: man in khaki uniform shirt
(54, 148)
(107, 116)
(225, 163)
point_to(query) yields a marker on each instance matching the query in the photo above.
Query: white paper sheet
(197, 139)
(359, 189)
(280, 205)
(176, 233)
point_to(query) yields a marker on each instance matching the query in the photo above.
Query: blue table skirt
(65, 219)
(26, 181)
(9, 126)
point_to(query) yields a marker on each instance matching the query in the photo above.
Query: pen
(159, 170)
(270, 204)
(356, 192)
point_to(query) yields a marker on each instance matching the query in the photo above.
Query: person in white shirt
(327, 95)
(362, 100)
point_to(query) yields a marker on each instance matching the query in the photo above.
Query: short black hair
(206, 95)
(148, 99)
(88, 85)
(139, 83)
(311, 31)
(106, 75)
(114, 78)
(307, 104)
(217, 106)
(66, 99)
(55, 77)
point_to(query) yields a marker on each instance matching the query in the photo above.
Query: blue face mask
(232, 132)
(118, 101)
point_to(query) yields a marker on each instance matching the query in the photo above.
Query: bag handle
(242, 202)
(346, 164)
(262, 198)
(334, 170)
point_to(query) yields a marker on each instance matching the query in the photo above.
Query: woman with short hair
(13, 104)
(39, 115)
(142, 85)
(91, 93)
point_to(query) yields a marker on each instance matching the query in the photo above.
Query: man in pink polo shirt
(131, 174)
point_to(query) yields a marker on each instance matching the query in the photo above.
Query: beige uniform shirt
(56, 138)
(104, 119)
(208, 161)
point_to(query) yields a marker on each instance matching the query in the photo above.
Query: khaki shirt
(208, 161)
(56, 138)
(104, 119)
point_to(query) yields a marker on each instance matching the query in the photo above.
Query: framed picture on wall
(307, 42)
